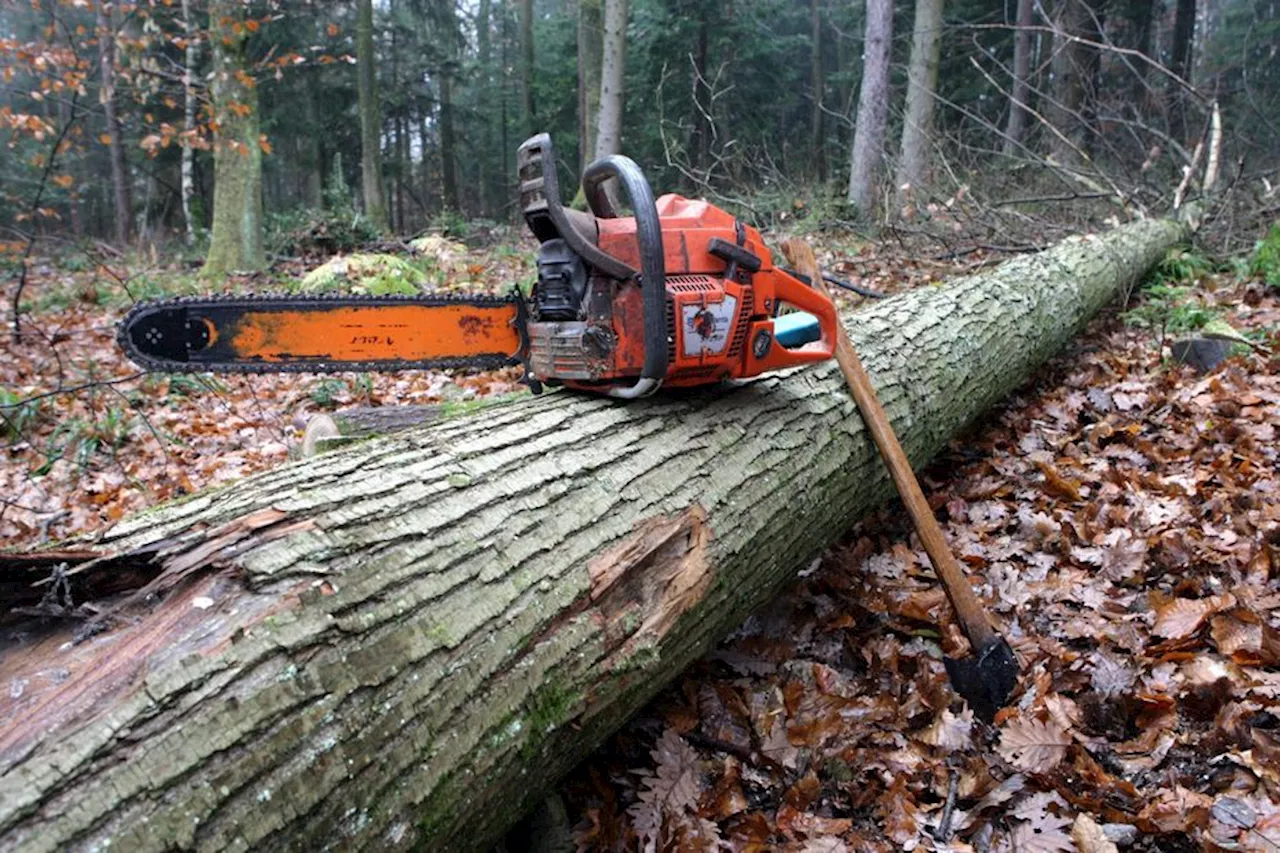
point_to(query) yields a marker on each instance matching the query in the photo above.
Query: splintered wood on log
(403, 643)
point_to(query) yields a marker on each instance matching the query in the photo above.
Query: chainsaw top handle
(653, 277)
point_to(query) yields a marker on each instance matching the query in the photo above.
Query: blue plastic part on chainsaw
(796, 329)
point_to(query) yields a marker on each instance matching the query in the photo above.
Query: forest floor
(1121, 513)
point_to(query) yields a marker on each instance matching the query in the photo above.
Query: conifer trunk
(375, 202)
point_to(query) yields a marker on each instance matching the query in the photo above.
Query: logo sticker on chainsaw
(707, 327)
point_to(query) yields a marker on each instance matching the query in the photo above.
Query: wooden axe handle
(973, 617)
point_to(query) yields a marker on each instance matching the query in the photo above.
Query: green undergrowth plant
(327, 391)
(1171, 309)
(18, 414)
(81, 438)
(1181, 266)
(1265, 262)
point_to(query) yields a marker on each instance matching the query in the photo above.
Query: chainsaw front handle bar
(653, 276)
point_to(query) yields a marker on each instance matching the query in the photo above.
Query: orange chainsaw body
(711, 318)
(679, 293)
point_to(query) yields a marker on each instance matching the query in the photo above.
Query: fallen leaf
(1181, 617)
(950, 731)
(1033, 746)
(1089, 837)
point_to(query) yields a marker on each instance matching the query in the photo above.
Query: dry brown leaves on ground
(1123, 518)
(86, 438)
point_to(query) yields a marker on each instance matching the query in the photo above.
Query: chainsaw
(680, 293)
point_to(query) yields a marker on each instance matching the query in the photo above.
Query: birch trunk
(404, 643)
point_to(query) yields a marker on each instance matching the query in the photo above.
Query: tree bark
(188, 167)
(484, 114)
(1184, 29)
(120, 180)
(528, 110)
(818, 83)
(235, 242)
(1020, 93)
(922, 81)
(1069, 67)
(867, 155)
(403, 643)
(590, 61)
(375, 202)
(612, 74)
(448, 22)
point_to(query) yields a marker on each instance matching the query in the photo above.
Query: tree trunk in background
(448, 145)
(121, 188)
(1020, 94)
(1069, 68)
(590, 60)
(448, 28)
(68, 113)
(484, 52)
(1184, 30)
(315, 161)
(189, 121)
(867, 155)
(528, 110)
(402, 644)
(403, 170)
(375, 203)
(818, 83)
(236, 240)
(922, 83)
(1094, 23)
(609, 128)
(1140, 16)
(700, 141)
(396, 186)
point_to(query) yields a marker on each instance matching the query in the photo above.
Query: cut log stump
(406, 642)
(347, 426)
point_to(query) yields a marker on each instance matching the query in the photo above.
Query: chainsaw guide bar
(266, 333)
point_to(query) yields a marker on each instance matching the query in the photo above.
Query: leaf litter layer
(1122, 517)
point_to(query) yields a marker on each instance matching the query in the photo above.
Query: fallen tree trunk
(406, 641)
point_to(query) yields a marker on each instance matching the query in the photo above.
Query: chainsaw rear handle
(653, 276)
(548, 218)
